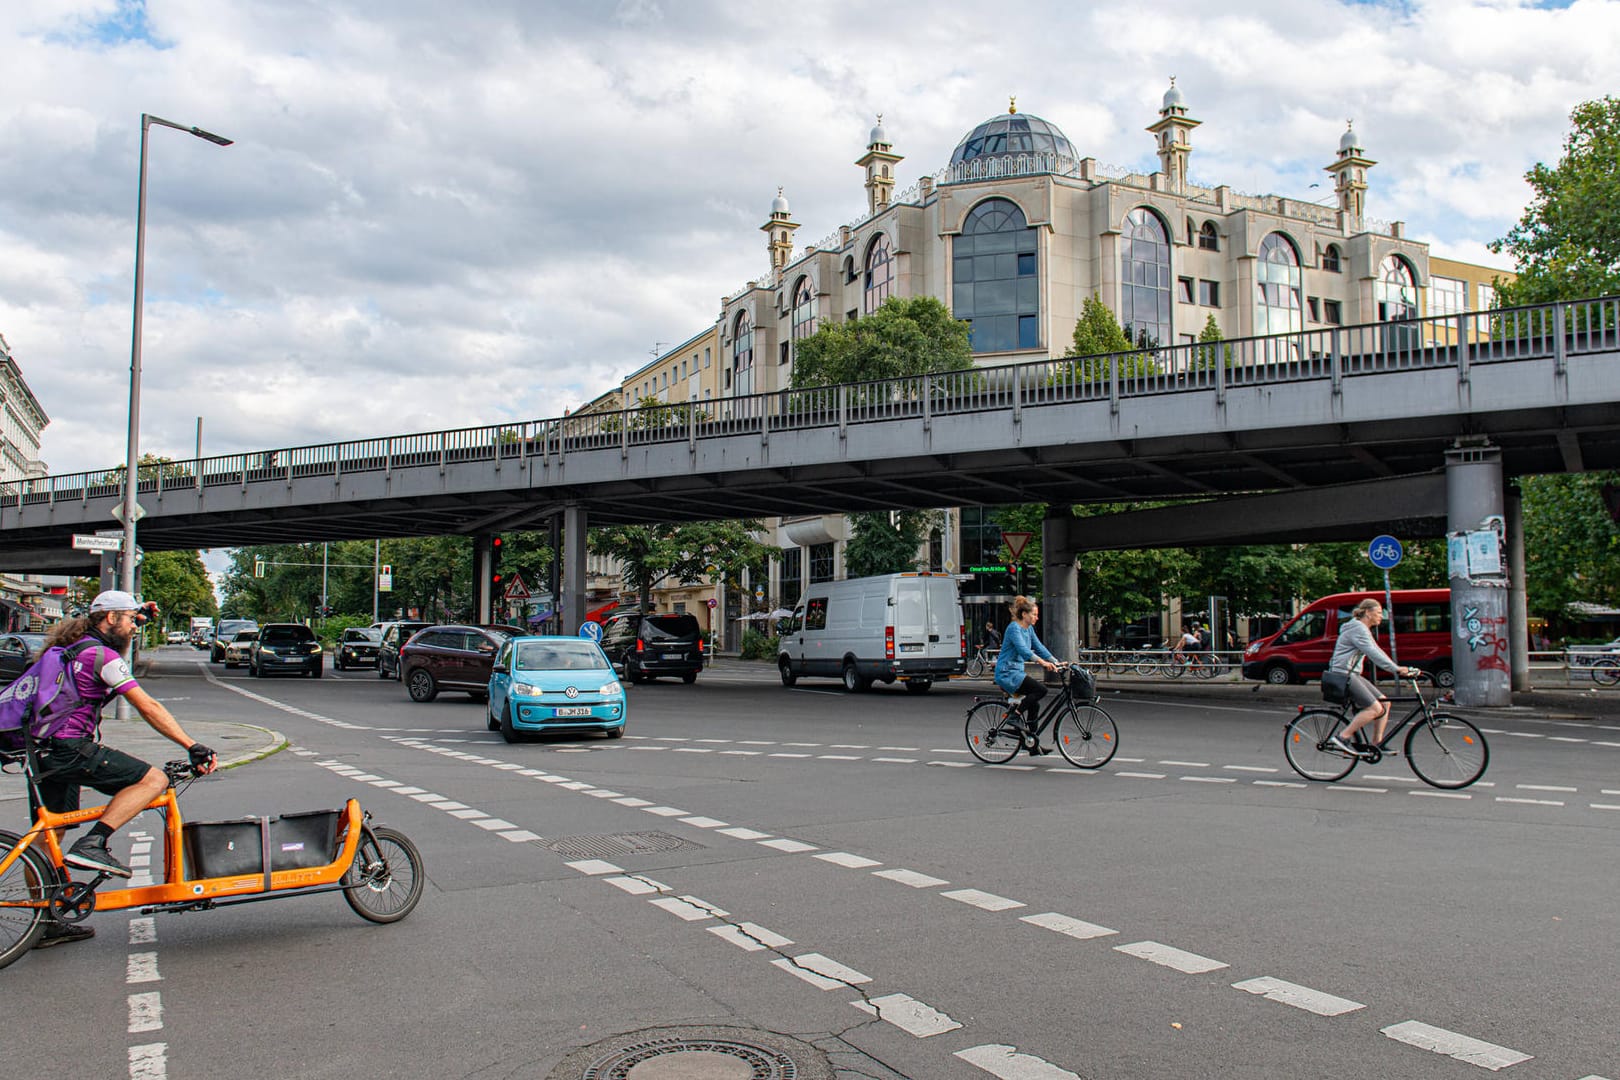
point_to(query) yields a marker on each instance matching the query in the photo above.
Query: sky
(443, 215)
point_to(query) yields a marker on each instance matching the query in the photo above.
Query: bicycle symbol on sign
(1385, 553)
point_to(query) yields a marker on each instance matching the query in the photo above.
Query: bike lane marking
(147, 1061)
(1462, 1047)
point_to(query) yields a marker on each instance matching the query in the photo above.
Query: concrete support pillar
(483, 566)
(1518, 605)
(1479, 601)
(1060, 607)
(572, 607)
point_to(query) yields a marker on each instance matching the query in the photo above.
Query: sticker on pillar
(1485, 632)
(1478, 554)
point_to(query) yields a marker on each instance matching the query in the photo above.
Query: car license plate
(573, 710)
(673, 656)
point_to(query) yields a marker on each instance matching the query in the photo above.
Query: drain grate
(636, 843)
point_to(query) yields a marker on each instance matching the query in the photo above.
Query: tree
(1571, 544)
(1097, 337)
(1566, 246)
(689, 553)
(179, 583)
(887, 542)
(913, 336)
(1206, 357)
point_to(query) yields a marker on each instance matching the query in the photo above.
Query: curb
(278, 743)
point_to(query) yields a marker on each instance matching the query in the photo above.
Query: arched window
(1330, 259)
(995, 278)
(1144, 275)
(804, 311)
(1277, 287)
(1207, 238)
(1395, 290)
(742, 356)
(879, 274)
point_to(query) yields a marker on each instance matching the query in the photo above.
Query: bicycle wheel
(1606, 672)
(1086, 736)
(385, 880)
(994, 734)
(22, 899)
(1447, 751)
(975, 665)
(1119, 662)
(1146, 664)
(1304, 746)
(1173, 668)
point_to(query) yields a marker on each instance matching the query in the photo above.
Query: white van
(876, 629)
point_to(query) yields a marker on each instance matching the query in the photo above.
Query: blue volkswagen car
(554, 684)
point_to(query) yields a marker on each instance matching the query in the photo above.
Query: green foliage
(912, 336)
(759, 646)
(1097, 336)
(1025, 517)
(649, 554)
(651, 414)
(179, 583)
(1571, 545)
(1210, 351)
(1567, 244)
(887, 542)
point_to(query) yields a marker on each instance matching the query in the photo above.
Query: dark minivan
(452, 658)
(648, 646)
(394, 637)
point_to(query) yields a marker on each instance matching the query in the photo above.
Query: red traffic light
(495, 542)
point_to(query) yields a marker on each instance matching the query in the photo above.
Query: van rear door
(944, 619)
(912, 626)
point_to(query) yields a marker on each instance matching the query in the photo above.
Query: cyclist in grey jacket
(1355, 642)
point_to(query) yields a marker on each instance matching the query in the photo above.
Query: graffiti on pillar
(1487, 639)
(1479, 555)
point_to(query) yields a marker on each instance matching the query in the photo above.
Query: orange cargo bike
(206, 865)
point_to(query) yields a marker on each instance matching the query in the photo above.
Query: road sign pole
(1389, 606)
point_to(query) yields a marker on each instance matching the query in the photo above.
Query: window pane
(1028, 332)
(1026, 267)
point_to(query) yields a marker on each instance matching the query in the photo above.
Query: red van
(1302, 648)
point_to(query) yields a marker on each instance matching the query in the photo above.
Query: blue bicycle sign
(1385, 552)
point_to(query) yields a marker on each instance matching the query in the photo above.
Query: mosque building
(1014, 234)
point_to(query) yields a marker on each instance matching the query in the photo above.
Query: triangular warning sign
(1015, 542)
(516, 590)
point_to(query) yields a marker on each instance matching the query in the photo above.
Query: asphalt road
(826, 851)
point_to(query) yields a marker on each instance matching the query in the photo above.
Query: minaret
(1173, 131)
(879, 162)
(1350, 178)
(779, 233)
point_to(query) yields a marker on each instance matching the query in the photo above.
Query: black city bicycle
(1084, 733)
(1445, 751)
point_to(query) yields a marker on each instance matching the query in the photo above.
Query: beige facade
(21, 422)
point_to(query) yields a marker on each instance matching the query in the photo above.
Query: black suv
(357, 649)
(286, 647)
(394, 637)
(648, 646)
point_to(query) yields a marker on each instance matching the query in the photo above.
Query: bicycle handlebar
(179, 770)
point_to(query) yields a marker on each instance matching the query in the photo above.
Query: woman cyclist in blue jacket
(1019, 645)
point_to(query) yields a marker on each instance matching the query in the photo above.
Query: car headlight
(264, 650)
(612, 689)
(525, 690)
(1252, 649)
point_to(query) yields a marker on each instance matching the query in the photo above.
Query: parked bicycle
(1444, 750)
(1084, 732)
(982, 660)
(206, 865)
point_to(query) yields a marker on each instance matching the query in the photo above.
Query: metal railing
(1330, 355)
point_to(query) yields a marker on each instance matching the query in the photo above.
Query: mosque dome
(1013, 133)
(878, 135)
(1349, 140)
(1173, 98)
(779, 205)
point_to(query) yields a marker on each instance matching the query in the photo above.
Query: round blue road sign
(591, 630)
(1385, 552)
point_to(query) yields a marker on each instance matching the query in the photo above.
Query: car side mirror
(500, 669)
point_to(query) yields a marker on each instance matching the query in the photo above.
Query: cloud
(438, 218)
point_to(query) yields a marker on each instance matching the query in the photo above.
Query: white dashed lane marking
(910, 877)
(984, 900)
(1007, 1063)
(1170, 957)
(821, 972)
(1462, 1047)
(749, 937)
(145, 1012)
(1064, 924)
(1300, 997)
(908, 1014)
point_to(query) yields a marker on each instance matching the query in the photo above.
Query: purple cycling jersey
(99, 674)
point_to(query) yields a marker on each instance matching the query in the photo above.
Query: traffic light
(258, 567)
(495, 546)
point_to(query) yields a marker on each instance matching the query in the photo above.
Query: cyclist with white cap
(75, 756)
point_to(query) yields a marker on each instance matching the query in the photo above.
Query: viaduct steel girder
(1548, 413)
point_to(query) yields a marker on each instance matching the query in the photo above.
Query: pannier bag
(1335, 687)
(260, 845)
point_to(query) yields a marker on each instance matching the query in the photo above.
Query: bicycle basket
(1082, 684)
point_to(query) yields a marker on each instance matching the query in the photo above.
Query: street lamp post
(126, 580)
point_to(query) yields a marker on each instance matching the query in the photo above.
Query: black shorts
(66, 764)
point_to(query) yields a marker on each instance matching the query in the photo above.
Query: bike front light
(612, 689)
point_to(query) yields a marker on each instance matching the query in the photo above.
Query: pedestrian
(992, 636)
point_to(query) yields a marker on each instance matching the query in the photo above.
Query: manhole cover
(637, 843)
(696, 1053)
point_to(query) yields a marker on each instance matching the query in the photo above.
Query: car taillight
(888, 643)
(641, 646)
(961, 633)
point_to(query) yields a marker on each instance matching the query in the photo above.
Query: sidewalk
(236, 744)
